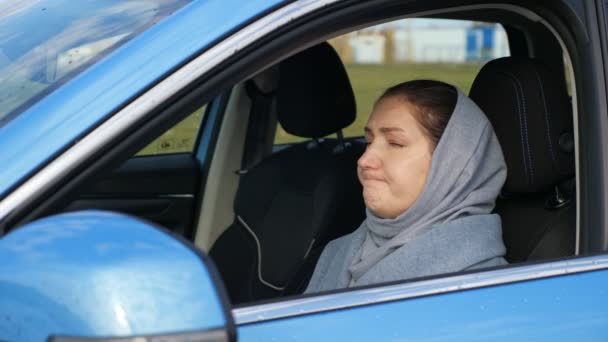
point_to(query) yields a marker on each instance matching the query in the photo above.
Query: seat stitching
(548, 130)
(523, 98)
(521, 135)
(259, 250)
(526, 128)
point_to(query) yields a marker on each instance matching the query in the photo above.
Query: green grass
(180, 138)
(368, 81)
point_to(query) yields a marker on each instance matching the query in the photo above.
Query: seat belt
(255, 141)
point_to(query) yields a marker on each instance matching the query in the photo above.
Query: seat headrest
(314, 98)
(530, 111)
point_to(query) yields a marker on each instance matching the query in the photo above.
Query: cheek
(410, 177)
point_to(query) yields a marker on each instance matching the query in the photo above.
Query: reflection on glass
(44, 43)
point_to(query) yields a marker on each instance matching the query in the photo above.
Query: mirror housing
(95, 274)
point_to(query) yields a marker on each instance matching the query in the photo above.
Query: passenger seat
(530, 110)
(291, 204)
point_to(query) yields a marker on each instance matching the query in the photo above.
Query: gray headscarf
(448, 228)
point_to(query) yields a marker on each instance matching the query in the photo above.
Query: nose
(369, 159)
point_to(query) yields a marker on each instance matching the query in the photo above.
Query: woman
(430, 174)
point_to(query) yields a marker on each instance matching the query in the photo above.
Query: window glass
(378, 57)
(75, 34)
(181, 138)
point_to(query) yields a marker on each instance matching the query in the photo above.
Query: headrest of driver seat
(530, 111)
(314, 98)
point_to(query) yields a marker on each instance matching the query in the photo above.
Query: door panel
(565, 308)
(159, 184)
(157, 188)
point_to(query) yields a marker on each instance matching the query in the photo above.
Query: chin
(381, 211)
(375, 209)
(373, 202)
(383, 215)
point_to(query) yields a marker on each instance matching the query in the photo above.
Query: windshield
(44, 43)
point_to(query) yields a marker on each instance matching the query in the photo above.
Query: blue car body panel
(59, 119)
(102, 274)
(565, 308)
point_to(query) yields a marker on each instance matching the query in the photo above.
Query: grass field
(180, 138)
(368, 81)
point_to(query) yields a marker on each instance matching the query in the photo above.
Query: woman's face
(394, 168)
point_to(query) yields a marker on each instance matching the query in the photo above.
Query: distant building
(459, 44)
(368, 48)
(430, 45)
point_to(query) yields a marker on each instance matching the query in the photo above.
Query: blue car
(173, 169)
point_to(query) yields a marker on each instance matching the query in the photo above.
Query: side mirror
(103, 276)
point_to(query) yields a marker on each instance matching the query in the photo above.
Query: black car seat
(529, 108)
(293, 202)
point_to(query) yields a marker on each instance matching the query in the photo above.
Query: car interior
(264, 212)
(310, 187)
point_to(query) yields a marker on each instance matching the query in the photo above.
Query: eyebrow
(384, 129)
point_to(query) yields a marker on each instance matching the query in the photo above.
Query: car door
(161, 189)
(558, 301)
(502, 303)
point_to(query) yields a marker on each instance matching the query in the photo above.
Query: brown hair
(433, 103)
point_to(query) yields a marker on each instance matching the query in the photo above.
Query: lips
(371, 177)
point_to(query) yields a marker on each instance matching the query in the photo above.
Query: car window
(378, 57)
(181, 138)
(35, 61)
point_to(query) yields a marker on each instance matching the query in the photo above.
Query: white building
(442, 44)
(368, 48)
(430, 45)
